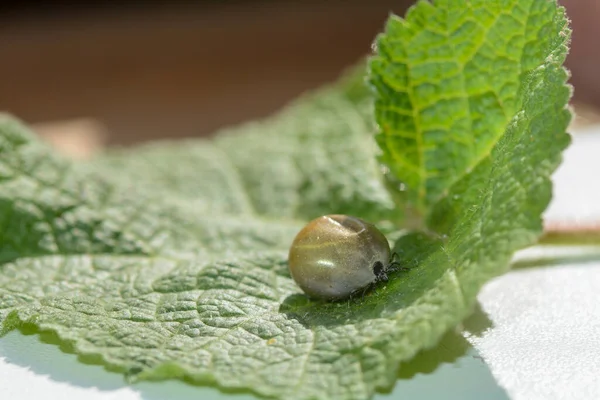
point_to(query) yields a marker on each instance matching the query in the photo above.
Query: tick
(335, 256)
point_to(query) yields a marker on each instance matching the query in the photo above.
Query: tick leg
(396, 266)
(364, 290)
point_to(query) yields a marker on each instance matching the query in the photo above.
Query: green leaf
(450, 80)
(170, 261)
(299, 165)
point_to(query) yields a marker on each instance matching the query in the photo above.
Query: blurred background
(100, 73)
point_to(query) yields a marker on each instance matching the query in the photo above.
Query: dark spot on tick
(378, 270)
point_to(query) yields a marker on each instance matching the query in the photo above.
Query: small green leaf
(170, 261)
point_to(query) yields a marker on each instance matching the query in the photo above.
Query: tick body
(335, 256)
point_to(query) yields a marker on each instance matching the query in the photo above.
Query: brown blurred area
(148, 70)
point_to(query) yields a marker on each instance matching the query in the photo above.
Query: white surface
(576, 191)
(31, 370)
(22, 383)
(543, 342)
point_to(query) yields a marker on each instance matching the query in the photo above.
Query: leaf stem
(571, 234)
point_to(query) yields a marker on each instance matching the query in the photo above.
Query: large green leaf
(450, 79)
(169, 261)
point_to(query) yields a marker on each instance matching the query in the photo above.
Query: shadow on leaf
(411, 282)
